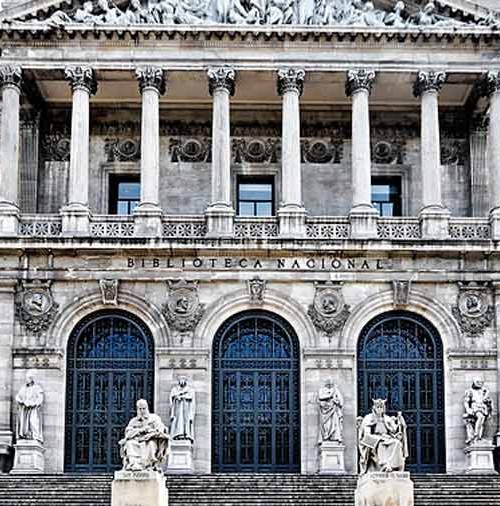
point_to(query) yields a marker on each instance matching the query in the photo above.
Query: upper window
(255, 196)
(124, 194)
(386, 195)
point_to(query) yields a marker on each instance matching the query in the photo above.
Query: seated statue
(145, 445)
(382, 441)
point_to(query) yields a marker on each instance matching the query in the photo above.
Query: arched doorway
(400, 358)
(256, 392)
(110, 364)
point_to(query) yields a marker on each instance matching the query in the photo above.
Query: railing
(328, 227)
(40, 225)
(470, 229)
(111, 226)
(400, 228)
(256, 228)
(184, 227)
(194, 227)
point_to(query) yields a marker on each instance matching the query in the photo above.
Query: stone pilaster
(363, 215)
(220, 212)
(7, 293)
(148, 214)
(490, 86)
(434, 217)
(76, 214)
(291, 214)
(10, 82)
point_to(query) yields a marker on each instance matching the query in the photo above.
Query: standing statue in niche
(331, 405)
(478, 407)
(382, 441)
(145, 445)
(182, 410)
(29, 410)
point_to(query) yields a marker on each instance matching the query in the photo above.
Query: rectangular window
(255, 196)
(386, 195)
(124, 194)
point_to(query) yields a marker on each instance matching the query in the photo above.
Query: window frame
(401, 171)
(114, 180)
(255, 179)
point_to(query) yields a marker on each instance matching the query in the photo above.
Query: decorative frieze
(151, 78)
(328, 311)
(256, 150)
(190, 149)
(256, 289)
(388, 151)
(474, 310)
(221, 78)
(122, 150)
(321, 150)
(35, 306)
(81, 77)
(38, 358)
(183, 310)
(11, 75)
(109, 291)
(55, 147)
(291, 80)
(429, 81)
(358, 80)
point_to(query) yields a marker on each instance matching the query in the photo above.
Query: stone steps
(244, 490)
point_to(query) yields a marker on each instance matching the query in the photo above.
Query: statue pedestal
(331, 458)
(480, 458)
(180, 458)
(28, 457)
(140, 488)
(394, 488)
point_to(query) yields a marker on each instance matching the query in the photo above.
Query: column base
(141, 488)
(480, 458)
(292, 221)
(9, 219)
(6, 439)
(220, 220)
(434, 222)
(75, 220)
(29, 457)
(331, 458)
(494, 219)
(180, 458)
(394, 488)
(363, 220)
(147, 221)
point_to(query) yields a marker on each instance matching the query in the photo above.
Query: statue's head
(142, 408)
(477, 382)
(182, 380)
(88, 6)
(429, 7)
(379, 406)
(399, 6)
(30, 377)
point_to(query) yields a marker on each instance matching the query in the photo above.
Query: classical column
(7, 294)
(363, 215)
(490, 85)
(479, 165)
(148, 214)
(434, 217)
(76, 214)
(220, 212)
(291, 213)
(10, 82)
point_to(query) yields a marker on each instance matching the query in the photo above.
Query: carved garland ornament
(183, 310)
(328, 311)
(122, 150)
(474, 311)
(35, 306)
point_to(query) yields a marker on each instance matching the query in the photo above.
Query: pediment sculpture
(335, 13)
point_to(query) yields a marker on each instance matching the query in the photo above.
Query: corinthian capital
(81, 78)
(490, 83)
(11, 75)
(291, 79)
(151, 77)
(429, 81)
(221, 78)
(358, 80)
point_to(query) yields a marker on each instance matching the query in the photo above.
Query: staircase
(244, 490)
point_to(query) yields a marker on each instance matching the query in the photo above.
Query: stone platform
(142, 488)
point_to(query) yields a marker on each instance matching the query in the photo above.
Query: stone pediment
(356, 14)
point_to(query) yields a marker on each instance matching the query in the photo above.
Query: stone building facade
(400, 300)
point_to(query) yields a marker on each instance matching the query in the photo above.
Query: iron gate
(400, 358)
(110, 367)
(256, 417)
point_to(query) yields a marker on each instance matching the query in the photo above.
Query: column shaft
(494, 147)
(150, 147)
